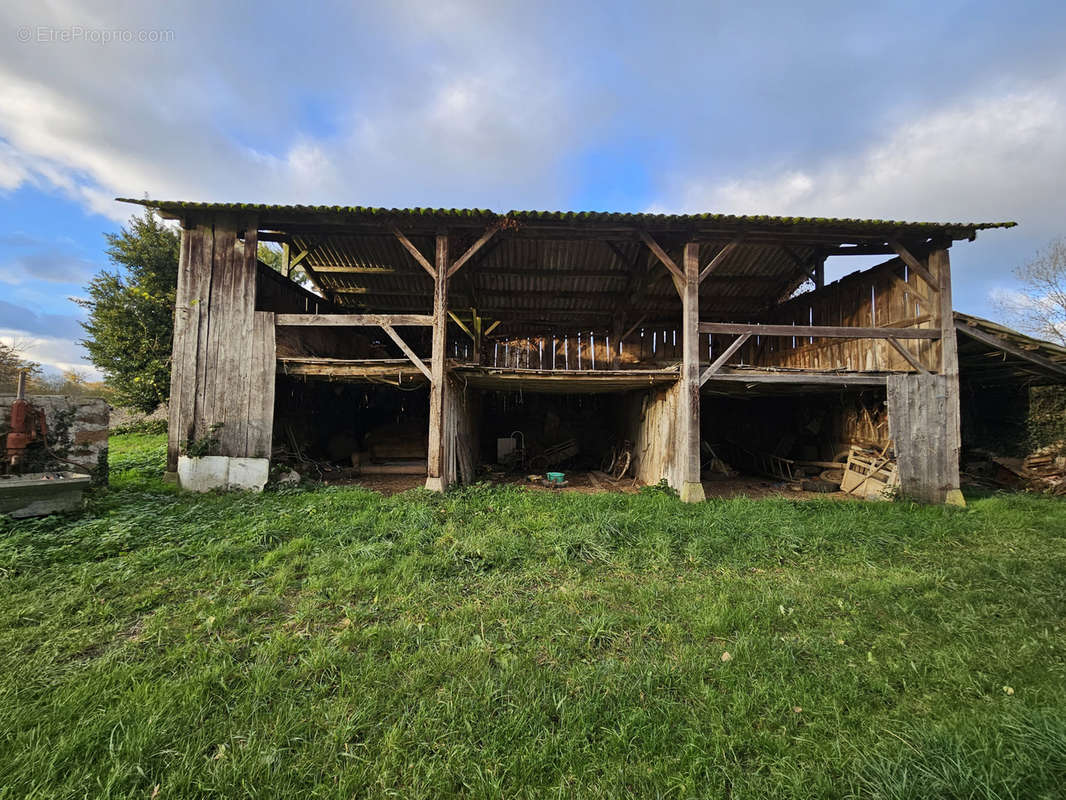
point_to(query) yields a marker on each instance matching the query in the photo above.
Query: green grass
(502, 643)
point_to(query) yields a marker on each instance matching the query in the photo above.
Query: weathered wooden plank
(264, 359)
(820, 331)
(182, 370)
(801, 378)
(920, 425)
(354, 320)
(653, 428)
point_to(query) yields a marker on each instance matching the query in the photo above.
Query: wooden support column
(940, 267)
(923, 410)
(688, 442)
(435, 480)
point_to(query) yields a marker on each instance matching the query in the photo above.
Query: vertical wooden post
(688, 443)
(616, 338)
(940, 266)
(438, 388)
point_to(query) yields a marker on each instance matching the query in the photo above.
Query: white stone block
(222, 472)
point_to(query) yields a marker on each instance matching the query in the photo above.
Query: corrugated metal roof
(555, 269)
(993, 354)
(566, 218)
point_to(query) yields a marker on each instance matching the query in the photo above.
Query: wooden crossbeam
(414, 251)
(915, 265)
(719, 362)
(907, 355)
(820, 331)
(351, 320)
(407, 351)
(662, 255)
(719, 257)
(358, 270)
(473, 249)
(823, 379)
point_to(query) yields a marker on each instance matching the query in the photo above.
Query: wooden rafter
(664, 257)
(473, 249)
(719, 257)
(414, 251)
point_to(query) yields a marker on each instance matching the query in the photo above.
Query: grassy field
(501, 643)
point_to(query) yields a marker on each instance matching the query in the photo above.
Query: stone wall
(77, 434)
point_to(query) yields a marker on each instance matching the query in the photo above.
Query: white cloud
(988, 158)
(51, 352)
(462, 122)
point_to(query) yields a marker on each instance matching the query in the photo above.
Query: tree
(130, 327)
(271, 256)
(12, 362)
(1040, 306)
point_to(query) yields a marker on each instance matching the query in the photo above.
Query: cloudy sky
(905, 110)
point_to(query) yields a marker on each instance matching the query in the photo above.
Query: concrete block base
(435, 484)
(39, 494)
(222, 472)
(692, 492)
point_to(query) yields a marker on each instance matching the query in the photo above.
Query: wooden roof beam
(414, 251)
(719, 257)
(663, 256)
(471, 251)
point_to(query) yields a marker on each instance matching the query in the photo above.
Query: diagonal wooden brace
(720, 361)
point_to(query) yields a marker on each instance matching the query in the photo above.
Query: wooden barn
(433, 335)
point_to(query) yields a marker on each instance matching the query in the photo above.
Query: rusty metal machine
(27, 426)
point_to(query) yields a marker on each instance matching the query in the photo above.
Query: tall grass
(497, 642)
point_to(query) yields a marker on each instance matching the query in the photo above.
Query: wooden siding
(878, 297)
(653, 418)
(223, 360)
(925, 434)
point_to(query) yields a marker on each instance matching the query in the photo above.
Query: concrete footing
(222, 472)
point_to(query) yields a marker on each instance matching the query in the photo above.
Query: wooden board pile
(1042, 471)
(870, 474)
